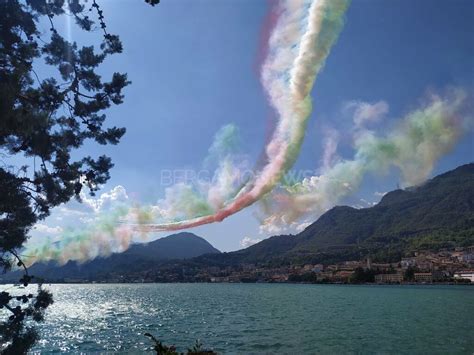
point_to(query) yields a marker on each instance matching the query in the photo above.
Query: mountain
(137, 258)
(439, 212)
(182, 245)
(436, 214)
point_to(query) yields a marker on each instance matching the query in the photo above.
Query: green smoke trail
(413, 146)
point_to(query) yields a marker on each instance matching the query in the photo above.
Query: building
(351, 265)
(440, 275)
(342, 275)
(324, 276)
(318, 268)
(468, 257)
(408, 262)
(388, 278)
(279, 278)
(385, 268)
(468, 274)
(219, 279)
(423, 277)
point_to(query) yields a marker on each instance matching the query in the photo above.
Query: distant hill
(436, 214)
(137, 258)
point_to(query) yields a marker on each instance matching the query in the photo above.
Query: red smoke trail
(289, 96)
(269, 23)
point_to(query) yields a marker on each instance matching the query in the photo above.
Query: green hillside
(437, 214)
(434, 215)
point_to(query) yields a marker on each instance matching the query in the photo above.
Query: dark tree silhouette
(162, 349)
(42, 121)
(409, 274)
(361, 275)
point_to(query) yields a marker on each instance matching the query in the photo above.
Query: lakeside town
(444, 266)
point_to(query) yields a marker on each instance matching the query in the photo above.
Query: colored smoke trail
(301, 37)
(413, 146)
(300, 41)
(298, 48)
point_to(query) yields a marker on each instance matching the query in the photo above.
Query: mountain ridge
(438, 213)
(177, 246)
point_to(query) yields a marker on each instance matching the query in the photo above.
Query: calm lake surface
(261, 318)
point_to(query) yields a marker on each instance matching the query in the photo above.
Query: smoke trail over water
(302, 34)
(301, 38)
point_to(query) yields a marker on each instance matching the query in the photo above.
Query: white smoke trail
(298, 48)
(299, 45)
(420, 139)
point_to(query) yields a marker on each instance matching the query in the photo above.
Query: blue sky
(194, 68)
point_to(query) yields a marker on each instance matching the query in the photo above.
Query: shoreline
(249, 283)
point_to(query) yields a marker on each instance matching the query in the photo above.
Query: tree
(42, 121)
(361, 275)
(162, 349)
(409, 274)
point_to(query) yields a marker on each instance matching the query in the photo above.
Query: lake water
(261, 318)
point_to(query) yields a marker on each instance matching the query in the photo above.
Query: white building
(465, 275)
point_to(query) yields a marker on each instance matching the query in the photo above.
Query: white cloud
(330, 143)
(246, 242)
(302, 226)
(380, 194)
(272, 225)
(74, 214)
(365, 112)
(71, 210)
(106, 200)
(43, 228)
